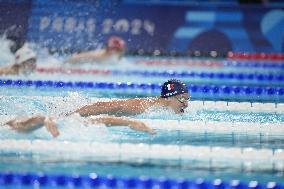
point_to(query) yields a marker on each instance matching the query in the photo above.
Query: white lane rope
(247, 158)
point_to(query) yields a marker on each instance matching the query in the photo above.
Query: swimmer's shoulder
(136, 101)
(146, 102)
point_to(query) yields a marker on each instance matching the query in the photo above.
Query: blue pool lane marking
(205, 89)
(182, 74)
(96, 181)
(210, 75)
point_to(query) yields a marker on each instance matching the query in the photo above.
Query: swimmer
(25, 62)
(115, 48)
(174, 95)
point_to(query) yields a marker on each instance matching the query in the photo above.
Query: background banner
(14, 16)
(86, 24)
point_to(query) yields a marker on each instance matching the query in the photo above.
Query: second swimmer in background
(25, 63)
(115, 49)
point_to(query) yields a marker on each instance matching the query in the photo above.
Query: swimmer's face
(179, 102)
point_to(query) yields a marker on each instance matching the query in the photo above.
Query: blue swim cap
(173, 87)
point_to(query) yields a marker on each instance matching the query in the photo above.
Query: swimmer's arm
(100, 108)
(24, 124)
(85, 56)
(122, 121)
(51, 127)
(130, 107)
(3, 71)
(9, 70)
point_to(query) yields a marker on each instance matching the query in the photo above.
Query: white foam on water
(74, 128)
(67, 104)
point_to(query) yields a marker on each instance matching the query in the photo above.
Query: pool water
(73, 130)
(243, 141)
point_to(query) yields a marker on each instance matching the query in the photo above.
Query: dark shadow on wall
(211, 40)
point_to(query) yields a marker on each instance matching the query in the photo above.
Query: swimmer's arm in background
(95, 56)
(122, 121)
(9, 70)
(30, 123)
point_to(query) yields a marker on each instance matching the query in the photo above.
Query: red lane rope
(200, 63)
(255, 56)
(73, 71)
(196, 63)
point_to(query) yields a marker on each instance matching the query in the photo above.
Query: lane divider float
(205, 89)
(249, 107)
(31, 180)
(184, 74)
(244, 158)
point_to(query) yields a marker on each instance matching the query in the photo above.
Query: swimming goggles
(183, 99)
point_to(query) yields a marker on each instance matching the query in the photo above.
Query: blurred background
(152, 27)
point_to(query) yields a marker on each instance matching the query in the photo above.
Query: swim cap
(116, 43)
(24, 54)
(173, 87)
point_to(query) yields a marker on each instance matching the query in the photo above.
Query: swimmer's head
(116, 44)
(173, 87)
(176, 94)
(26, 59)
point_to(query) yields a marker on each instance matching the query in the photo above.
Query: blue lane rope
(208, 89)
(183, 74)
(230, 63)
(209, 75)
(96, 181)
(255, 64)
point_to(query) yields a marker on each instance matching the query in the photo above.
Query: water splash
(6, 56)
(70, 103)
(74, 128)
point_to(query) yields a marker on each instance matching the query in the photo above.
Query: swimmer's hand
(140, 126)
(50, 126)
